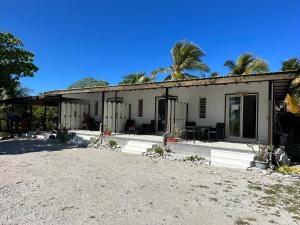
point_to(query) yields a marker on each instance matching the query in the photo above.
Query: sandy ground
(44, 183)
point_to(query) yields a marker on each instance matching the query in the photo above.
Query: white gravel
(47, 183)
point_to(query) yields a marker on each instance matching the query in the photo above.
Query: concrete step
(231, 159)
(137, 147)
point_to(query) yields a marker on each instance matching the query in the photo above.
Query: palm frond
(167, 78)
(160, 70)
(198, 66)
(230, 64)
(258, 66)
(291, 64)
(185, 51)
(214, 75)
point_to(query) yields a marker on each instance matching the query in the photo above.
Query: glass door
(234, 116)
(161, 115)
(241, 117)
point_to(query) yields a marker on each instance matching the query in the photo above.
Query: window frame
(202, 108)
(140, 112)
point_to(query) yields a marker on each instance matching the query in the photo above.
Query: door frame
(226, 117)
(156, 109)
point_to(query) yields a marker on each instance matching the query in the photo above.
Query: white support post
(109, 115)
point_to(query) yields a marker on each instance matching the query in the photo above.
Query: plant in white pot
(263, 156)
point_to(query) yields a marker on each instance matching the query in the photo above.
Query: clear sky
(107, 39)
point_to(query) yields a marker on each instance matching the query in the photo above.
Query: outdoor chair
(217, 133)
(149, 128)
(130, 126)
(190, 129)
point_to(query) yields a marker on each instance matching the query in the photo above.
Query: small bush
(112, 144)
(287, 169)
(194, 158)
(64, 136)
(159, 150)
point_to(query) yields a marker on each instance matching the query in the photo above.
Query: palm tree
(214, 75)
(135, 78)
(294, 88)
(246, 64)
(185, 56)
(291, 64)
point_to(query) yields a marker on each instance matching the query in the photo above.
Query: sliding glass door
(241, 116)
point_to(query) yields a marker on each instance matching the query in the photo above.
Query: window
(202, 108)
(96, 108)
(140, 108)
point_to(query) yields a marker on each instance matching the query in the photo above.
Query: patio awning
(280, 88)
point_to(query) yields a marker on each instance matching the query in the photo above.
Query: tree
(88, 83)
(135, 78)
(291, 64)
(294, 88)
(186, 56)
(15, 62)
(246, 64)
(214, 75)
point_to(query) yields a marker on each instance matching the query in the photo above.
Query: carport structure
(17, 117)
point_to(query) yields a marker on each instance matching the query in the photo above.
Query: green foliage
(264, 152)
(194, 158)
(64, 136)
(15, 63)
(112, 144)
(214, 75)
(287, 170)
(186, 56)
(291, 64)
(88, 83)
(246, 64)
(159, 150)
(38, 116)
(135, 78)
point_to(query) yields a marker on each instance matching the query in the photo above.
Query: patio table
(195, 130)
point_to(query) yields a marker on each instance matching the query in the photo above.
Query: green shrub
(159, 150)
(287, 169)
(194, 158)
(64, 136)
(112, 144)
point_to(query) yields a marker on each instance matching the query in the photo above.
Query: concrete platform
(227, 154)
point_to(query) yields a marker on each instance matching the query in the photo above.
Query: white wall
(215, 103)
(91, 99)
(132, 97)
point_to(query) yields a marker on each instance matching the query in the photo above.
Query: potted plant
(107, 131)
(174, 137)
(262, 157)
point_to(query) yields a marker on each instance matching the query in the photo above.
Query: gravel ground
(47, 183)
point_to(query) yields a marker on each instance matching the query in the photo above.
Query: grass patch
(159, 150)
(213, 199)
(112, 144)
(194, 158)
(286, 196)
(255, 187)
(239, 221)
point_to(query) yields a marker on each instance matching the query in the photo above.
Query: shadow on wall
(21, 146)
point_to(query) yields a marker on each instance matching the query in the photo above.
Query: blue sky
(108, 39)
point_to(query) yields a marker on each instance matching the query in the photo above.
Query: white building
(244, 104)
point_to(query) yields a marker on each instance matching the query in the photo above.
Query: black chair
(217, 133)
(149, 128)
(190, 129)
(130, 126)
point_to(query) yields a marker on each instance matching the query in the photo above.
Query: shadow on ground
(21, 146)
